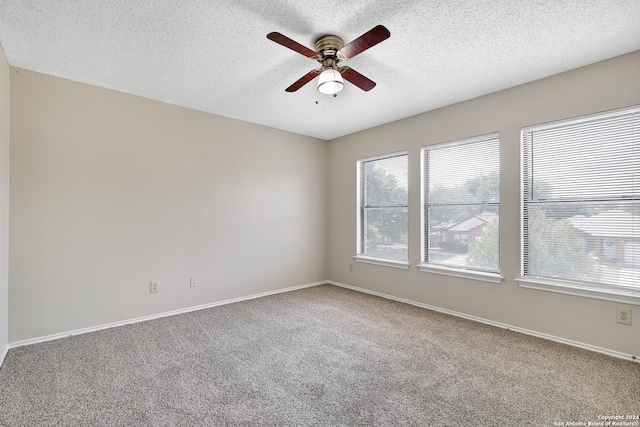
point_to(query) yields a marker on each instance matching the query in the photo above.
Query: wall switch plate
(193, 281)
(623, 315)
(153, 287)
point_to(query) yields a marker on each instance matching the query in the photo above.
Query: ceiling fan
(329, 51)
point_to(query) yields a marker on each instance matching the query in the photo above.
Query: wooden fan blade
(351, 75)
(365, 41)
(291, 44)
(303, 81)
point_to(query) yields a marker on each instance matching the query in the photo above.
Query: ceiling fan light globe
(330, 82)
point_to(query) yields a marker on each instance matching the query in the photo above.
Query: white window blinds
(462, 204)
(581, 201)
(384, 207)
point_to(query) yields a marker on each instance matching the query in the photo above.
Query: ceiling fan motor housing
(328, 48)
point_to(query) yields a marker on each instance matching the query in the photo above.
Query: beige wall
(607, 85)
(110, 191)
(4, 203)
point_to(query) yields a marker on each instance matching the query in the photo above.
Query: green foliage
(448, 214)
(484, 188)
(486, 252)
(478, 190)
(540, 190)
(555, 250)
(382, 189)
(386, 231)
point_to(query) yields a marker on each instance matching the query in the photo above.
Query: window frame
(556, 285)
(360, 256)
(427, 267)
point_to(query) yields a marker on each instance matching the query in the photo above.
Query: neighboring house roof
(611, 223)
(473, 222)
(442, 226)
(488, 217)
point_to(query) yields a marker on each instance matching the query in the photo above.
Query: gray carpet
(323, 356)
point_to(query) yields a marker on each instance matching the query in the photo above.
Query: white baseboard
(590, 347)
(153, 316)
(578, 344)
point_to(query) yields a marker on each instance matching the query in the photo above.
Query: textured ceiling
(214, 55)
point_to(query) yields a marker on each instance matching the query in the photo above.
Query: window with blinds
(461, 211)
(383, 213)
(581, 202)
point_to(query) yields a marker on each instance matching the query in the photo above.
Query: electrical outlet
(350, 267)
(193, 281)
(623, 315)
(153, 287)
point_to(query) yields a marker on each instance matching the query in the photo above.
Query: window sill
(382, 261)
(579, 289)
(466, 274)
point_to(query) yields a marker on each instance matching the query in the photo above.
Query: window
(383, 211)
(581, 206)
(461, 208)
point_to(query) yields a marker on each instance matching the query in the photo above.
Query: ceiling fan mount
(329, 51)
